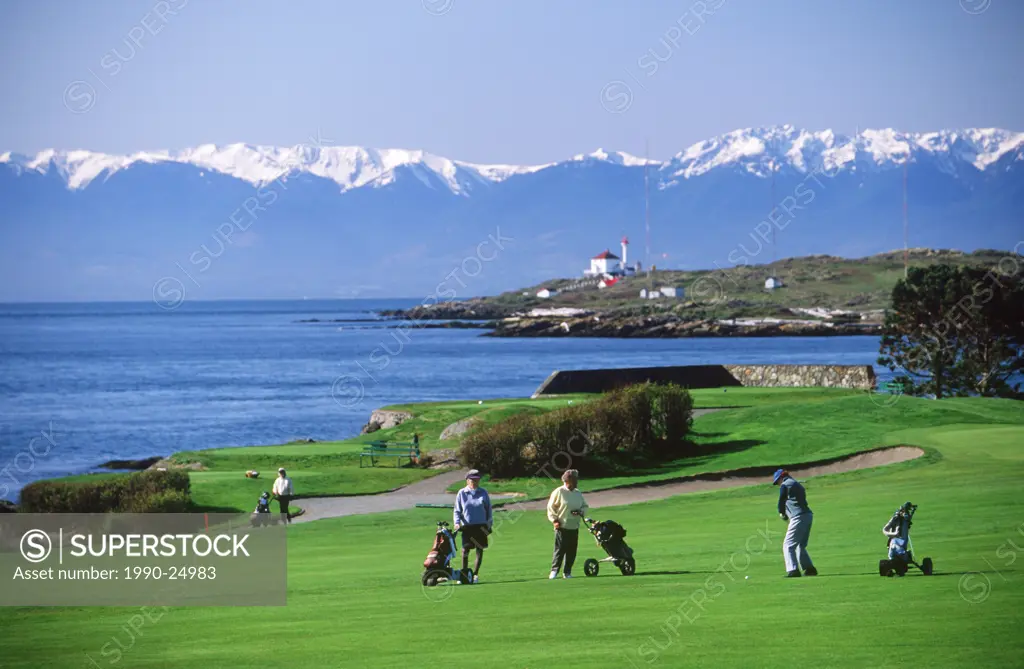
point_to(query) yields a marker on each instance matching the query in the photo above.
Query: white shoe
(566, 575)
(476, 579)
(553, 575)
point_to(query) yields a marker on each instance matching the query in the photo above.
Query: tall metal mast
(906, 262)
(647, 209)
(772, 211)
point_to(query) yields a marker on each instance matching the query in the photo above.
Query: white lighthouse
(625, 244)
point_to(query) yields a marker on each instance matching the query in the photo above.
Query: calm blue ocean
(130, 380)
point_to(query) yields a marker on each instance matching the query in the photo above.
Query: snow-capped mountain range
(256, 221)
(756, 150)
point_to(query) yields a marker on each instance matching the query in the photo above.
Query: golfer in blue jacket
(473, 516)
(793, 507)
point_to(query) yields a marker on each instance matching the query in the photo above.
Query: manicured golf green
(332, 468)
(355, 598)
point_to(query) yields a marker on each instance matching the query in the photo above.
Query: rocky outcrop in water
(144, 463)
(469, 310)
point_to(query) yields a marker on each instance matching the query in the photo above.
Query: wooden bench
(392, 449)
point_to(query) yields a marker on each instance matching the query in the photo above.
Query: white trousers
(794, 548)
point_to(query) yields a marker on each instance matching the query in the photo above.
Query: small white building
(545, 293)
(772, 282)
(605, 262)
(672, 291)
(649, 294)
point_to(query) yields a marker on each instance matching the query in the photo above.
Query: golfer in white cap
(565, 508)
(473, 516)
(793, 507)
(283, 493)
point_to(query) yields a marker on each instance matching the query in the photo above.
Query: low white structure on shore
(564, 312)
(545, 293)
(772, 282)
(665, 291)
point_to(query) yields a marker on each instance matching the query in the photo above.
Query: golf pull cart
(610, 536)
(901, 551)
(437, 568)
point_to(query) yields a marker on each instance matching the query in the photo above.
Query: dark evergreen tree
(956, 331)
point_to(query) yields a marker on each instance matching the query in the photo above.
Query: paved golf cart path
(435, 489)
(658, 490)
(428, 491)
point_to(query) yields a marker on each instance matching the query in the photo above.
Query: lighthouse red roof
(606, 255)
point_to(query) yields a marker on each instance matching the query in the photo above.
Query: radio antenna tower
(771, 211)
(906, 262)
(647, 209)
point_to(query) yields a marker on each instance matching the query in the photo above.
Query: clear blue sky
(486, 81)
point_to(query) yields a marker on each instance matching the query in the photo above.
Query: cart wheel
(926, 566)
(628, 567)
(431, 576)
(883, 568)
(591, 567)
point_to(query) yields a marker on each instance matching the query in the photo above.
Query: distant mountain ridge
(757, 150)
(252, 221)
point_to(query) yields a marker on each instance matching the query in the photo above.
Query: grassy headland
(861, 287)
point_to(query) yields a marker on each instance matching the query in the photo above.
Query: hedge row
(641, 422)
(148, 491)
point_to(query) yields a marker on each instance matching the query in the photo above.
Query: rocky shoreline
(504, 322)
(670, 327)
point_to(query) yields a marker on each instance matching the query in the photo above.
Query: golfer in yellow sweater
(565, 508)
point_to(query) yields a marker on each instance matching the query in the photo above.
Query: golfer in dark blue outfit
(793, 507)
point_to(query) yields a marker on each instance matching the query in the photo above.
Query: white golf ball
(746, 578)
(479, 401)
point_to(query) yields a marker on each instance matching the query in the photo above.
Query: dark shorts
(474, 536)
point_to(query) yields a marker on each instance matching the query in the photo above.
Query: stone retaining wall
(711, 376)
(825, 376)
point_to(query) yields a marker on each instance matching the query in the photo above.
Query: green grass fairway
(793, 426)
(332, 468)
(355, 599)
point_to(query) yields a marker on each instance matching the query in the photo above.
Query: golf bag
(611, 537)
(900, 555)
(261, 514)
(437, 567)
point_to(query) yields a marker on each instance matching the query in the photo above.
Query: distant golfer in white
(793, 507)
(283, 493)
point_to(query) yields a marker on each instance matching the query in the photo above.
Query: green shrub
(555, 432)
(672, 408)
(498, 449)
(638, 423)
(167, 501)
(131, 493)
